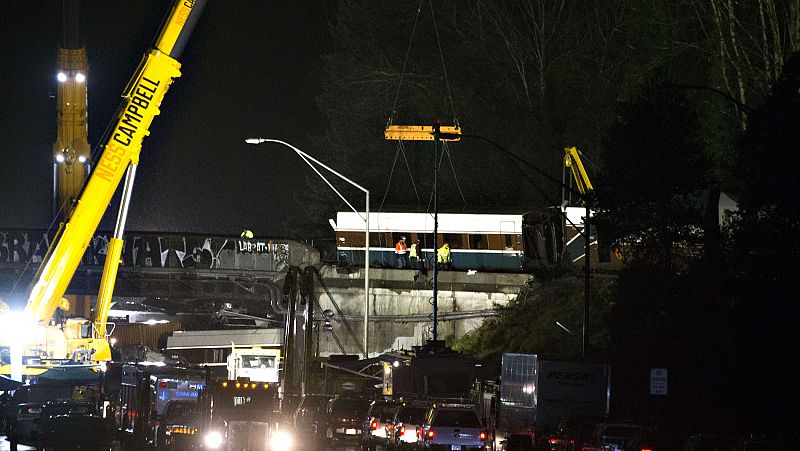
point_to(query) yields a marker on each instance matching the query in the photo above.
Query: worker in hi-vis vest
(414, 255)
(401, 251)
(443, 257)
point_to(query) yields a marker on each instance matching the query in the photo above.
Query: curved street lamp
(308, 159)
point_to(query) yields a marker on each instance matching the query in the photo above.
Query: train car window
(352, 239)
(426, 239)
(478, 241)
(509, 239)
(454, 240)
(378, 239)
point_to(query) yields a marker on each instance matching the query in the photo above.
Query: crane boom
(572, 160)
(142, 99)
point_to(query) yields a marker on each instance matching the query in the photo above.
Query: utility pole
(435, 331)
(587, 281)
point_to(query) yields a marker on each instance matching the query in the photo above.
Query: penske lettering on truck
(114, 155)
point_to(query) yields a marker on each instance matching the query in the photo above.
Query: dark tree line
(536, 76)
(675, 104)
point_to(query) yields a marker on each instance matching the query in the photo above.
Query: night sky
(251, 68)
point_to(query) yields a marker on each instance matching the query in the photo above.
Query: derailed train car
(544, 237)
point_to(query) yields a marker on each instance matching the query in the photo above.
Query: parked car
(23, 428)
(572, 433)
(763, 444)
(344, 418)
(77, 424)
(710, 442)
(379, 416)
(653, 440)
(402, 431)
(310, 413)
(614, 436)
(179, 425)
(452, 427)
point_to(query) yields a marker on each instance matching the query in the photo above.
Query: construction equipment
(422, 133)
(572, 161)
(43, 339)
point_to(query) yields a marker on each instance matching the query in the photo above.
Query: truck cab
(241, 414)
(254, 364)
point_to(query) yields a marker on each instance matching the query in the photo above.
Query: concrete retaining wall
(400, 305)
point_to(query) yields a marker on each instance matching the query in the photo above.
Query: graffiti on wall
(156, 251)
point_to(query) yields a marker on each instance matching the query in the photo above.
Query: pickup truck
(452, 427)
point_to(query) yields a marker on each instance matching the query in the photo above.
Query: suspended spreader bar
(422, 132)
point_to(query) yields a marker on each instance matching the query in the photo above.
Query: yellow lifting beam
(422, 133)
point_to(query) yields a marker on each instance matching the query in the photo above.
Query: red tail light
(554, 440)
(483, 436)
(162, 385)
(402, 430)
(374, 425)
(430, 433)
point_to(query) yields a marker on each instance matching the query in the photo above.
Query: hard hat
(402, 238)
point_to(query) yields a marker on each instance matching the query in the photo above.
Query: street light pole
(308, 158)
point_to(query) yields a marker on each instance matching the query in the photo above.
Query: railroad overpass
(198, 274)
(191, 269)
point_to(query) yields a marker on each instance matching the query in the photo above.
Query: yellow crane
(572, 161)
(34, 335)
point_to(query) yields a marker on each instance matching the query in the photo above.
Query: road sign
(658, 381)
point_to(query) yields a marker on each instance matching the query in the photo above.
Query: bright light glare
(147, 363)
(17, 327)
(152, 322)
(527, 389)
(281, 441)
(396, 363)
(213, 439)
(254, 140)
(80, 78)
(81, 159)
(62, 77)
(61, 158)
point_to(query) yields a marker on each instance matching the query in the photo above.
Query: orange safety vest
(400, 248)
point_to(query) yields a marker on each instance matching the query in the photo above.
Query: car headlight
(281, 441)
(213, 439)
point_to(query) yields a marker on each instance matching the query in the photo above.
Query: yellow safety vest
(413, 252)
(443, 255)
